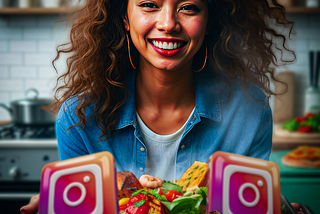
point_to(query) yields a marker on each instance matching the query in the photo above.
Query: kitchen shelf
(302, 10)
(37, 10)
(64, 10)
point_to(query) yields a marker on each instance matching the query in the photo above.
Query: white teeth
(167, 46)
(175, 46)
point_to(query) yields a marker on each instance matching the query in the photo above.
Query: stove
(24, 150)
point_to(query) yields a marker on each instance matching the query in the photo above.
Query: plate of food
(301, 127)
(188, 195)
(303, 157)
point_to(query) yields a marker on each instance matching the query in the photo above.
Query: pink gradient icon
(85, 184)
(239, 184)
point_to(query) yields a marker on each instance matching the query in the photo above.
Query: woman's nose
(168, 22)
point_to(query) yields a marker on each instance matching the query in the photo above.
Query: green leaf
(139, 203)
(163, 198)
(185, 205)
(171, 186)
(137, 192)
(203, 193)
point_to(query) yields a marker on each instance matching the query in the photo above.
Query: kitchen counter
(289, 143)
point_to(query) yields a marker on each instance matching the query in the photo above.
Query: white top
(161, 151)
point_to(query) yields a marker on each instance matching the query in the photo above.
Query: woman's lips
(167, 52)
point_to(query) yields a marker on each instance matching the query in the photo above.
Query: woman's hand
(32, 206)
(148, 181)
(297, 206)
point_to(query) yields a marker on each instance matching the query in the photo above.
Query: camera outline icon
(230, 170)
(95, 170)
(87, 183)
(251, 183)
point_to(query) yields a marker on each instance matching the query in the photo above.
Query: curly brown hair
(241, 44)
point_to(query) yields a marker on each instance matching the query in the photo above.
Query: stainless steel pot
(27, 112)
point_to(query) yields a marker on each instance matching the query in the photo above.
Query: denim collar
(207, 100)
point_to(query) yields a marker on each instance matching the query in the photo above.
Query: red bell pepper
(300, 119)
(138, 204)
(306, 129)
(308, 114)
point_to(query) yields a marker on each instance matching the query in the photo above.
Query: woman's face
(167, 33)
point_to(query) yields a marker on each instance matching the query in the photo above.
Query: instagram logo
(80, 185)
(239, 184)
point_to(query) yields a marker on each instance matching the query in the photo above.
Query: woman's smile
(167, 33)
(167, 47)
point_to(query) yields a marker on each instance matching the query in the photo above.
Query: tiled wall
(307, 39)
(27, 47)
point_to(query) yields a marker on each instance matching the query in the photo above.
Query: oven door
(14, 195)
(21, 163)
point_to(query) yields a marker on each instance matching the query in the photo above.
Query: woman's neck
(162, 89)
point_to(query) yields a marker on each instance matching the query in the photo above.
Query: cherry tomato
(134, 208)
(160, 192)
(172, 194)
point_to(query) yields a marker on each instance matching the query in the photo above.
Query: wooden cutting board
(284, 133)
(284, 104)
(4, 122)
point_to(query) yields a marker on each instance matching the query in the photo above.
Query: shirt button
(183, 146)
(141, 169)
(194, 119)
(142, 149)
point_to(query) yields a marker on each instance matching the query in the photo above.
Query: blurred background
(29, 35)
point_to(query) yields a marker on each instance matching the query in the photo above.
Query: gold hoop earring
(205, 60)
(129, 51)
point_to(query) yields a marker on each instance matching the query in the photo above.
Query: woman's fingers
(296, 206)
(32, 206)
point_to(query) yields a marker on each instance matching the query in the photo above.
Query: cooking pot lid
(287, 171)
(37, 101)
(34, 100)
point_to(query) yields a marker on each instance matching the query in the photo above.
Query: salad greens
(168, 185)
(189, 203)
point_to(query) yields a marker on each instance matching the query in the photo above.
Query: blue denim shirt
(241, 126)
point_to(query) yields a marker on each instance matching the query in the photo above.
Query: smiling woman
(164, 83)
(172, 32)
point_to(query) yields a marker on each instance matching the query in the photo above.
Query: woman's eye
(148, 5)
(190, 8)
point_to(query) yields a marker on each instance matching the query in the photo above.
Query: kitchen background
(28, 40)
(28, 44)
